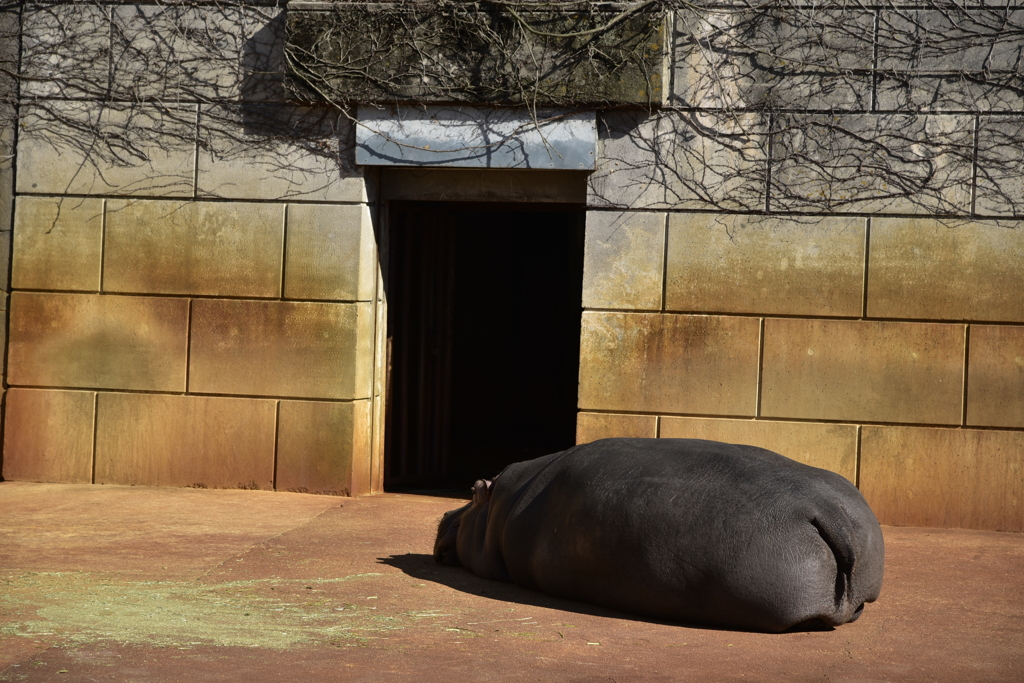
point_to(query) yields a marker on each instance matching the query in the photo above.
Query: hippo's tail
(854, 584)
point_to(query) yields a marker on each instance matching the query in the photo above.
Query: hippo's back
(691, 530)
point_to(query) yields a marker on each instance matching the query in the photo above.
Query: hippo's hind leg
(445, 547)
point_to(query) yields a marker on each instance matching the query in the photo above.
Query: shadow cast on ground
(423, 567)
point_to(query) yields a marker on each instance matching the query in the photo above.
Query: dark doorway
(484, 304)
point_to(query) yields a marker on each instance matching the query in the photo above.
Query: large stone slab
(58, 243)
(197, 441)
(205, 248)
(954, 478)
(98, 341)
(594, 426)
(330, 253)
(770, 266)
(278, 152)
(324, 447)
(276, 348)
(1000, 153)
(177, 51)
(683, 160)
(828, 446)
(854, 370)
(377, 52)
(957, 58)
(995, 376)
(872, 163)
(772, 56)
(649, 362)
(67, 147)
(48, 435)
(623, 260)
(946, 270)
(65, 49)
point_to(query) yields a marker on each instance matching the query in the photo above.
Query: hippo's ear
(482, 491)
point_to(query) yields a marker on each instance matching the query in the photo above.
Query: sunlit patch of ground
(275, 613)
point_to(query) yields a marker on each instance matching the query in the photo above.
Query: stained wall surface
(200, 307)
(205, 307)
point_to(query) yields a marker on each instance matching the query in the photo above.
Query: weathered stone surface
(9, 26)
(1000, 166)
(331, 253)
(65, 49)
(387, 53)
(946, 270)
(206, 248)
(668, 363)
(955, 58)
(594, 426)
(829, 446)
(138, 149)
(862, 370)
(955, 478)
(773, 56)
(58, 243)
(623, 260)
(872, 163)
(324, 447)
(179, 51)
(198, 441)
(48, 435)
(275, 348)
(680, 160)
(995, 376)
(774, 266)
(278, 152)
(98, 341)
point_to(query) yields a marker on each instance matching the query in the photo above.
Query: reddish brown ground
(135, 584)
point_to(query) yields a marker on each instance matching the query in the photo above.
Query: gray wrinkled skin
(680, 529)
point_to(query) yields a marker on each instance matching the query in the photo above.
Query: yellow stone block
(828, 446)
(944, 270)
(995, 376)
(770, 266)
(855, 370)
(594, 426)
(58, 243)
(98, 341)
(199, 441)
(952, 478)
(649, 362)
(48, 435)
(324, 447)
(331, 253)
(205, 248)
(276, 348)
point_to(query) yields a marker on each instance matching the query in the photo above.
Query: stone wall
(816, 247)
(734, 291)
(196, 293)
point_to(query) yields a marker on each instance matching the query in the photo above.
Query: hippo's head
(446, 543)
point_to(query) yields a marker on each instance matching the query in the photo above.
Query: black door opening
(484, 304)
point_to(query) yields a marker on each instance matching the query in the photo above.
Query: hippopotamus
(683, 530)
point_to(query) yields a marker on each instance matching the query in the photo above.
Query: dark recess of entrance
(484, 304)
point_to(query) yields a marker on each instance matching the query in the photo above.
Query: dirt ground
(102, 583)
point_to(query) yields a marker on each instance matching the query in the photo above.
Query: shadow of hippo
(679, 529)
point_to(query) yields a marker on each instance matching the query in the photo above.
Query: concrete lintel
(472, 137)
